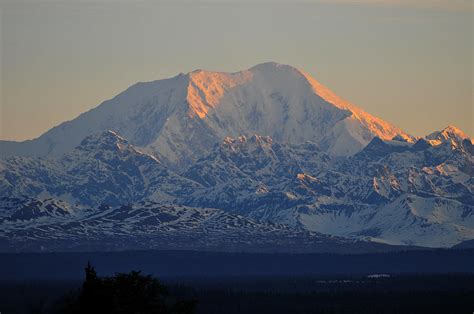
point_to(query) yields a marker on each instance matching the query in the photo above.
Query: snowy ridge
(370, 126)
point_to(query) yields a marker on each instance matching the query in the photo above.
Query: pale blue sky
(409, 62)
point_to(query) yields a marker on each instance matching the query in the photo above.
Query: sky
(406, 61)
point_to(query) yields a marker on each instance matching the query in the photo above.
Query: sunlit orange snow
(206, 88)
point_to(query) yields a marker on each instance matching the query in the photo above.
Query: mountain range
(266, 158)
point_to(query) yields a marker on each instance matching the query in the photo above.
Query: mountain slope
(149, 225)
(104, 168)
(392, 191)
(181, 118)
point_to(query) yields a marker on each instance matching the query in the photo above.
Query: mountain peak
(271, 66)
(109, 142)
(180, 119)
(281, 89)
(449, 133)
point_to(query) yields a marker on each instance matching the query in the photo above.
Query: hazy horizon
(409, 63)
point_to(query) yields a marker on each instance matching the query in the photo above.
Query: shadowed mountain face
(263, 158)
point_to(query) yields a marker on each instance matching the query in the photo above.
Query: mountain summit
(181, 118)
(449, 134)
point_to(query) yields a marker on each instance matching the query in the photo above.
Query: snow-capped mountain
(103, 169)
(181, 118)
(392, 191)
(411, 193)
(263, 158)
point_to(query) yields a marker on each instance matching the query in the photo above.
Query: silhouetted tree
(124, 294)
